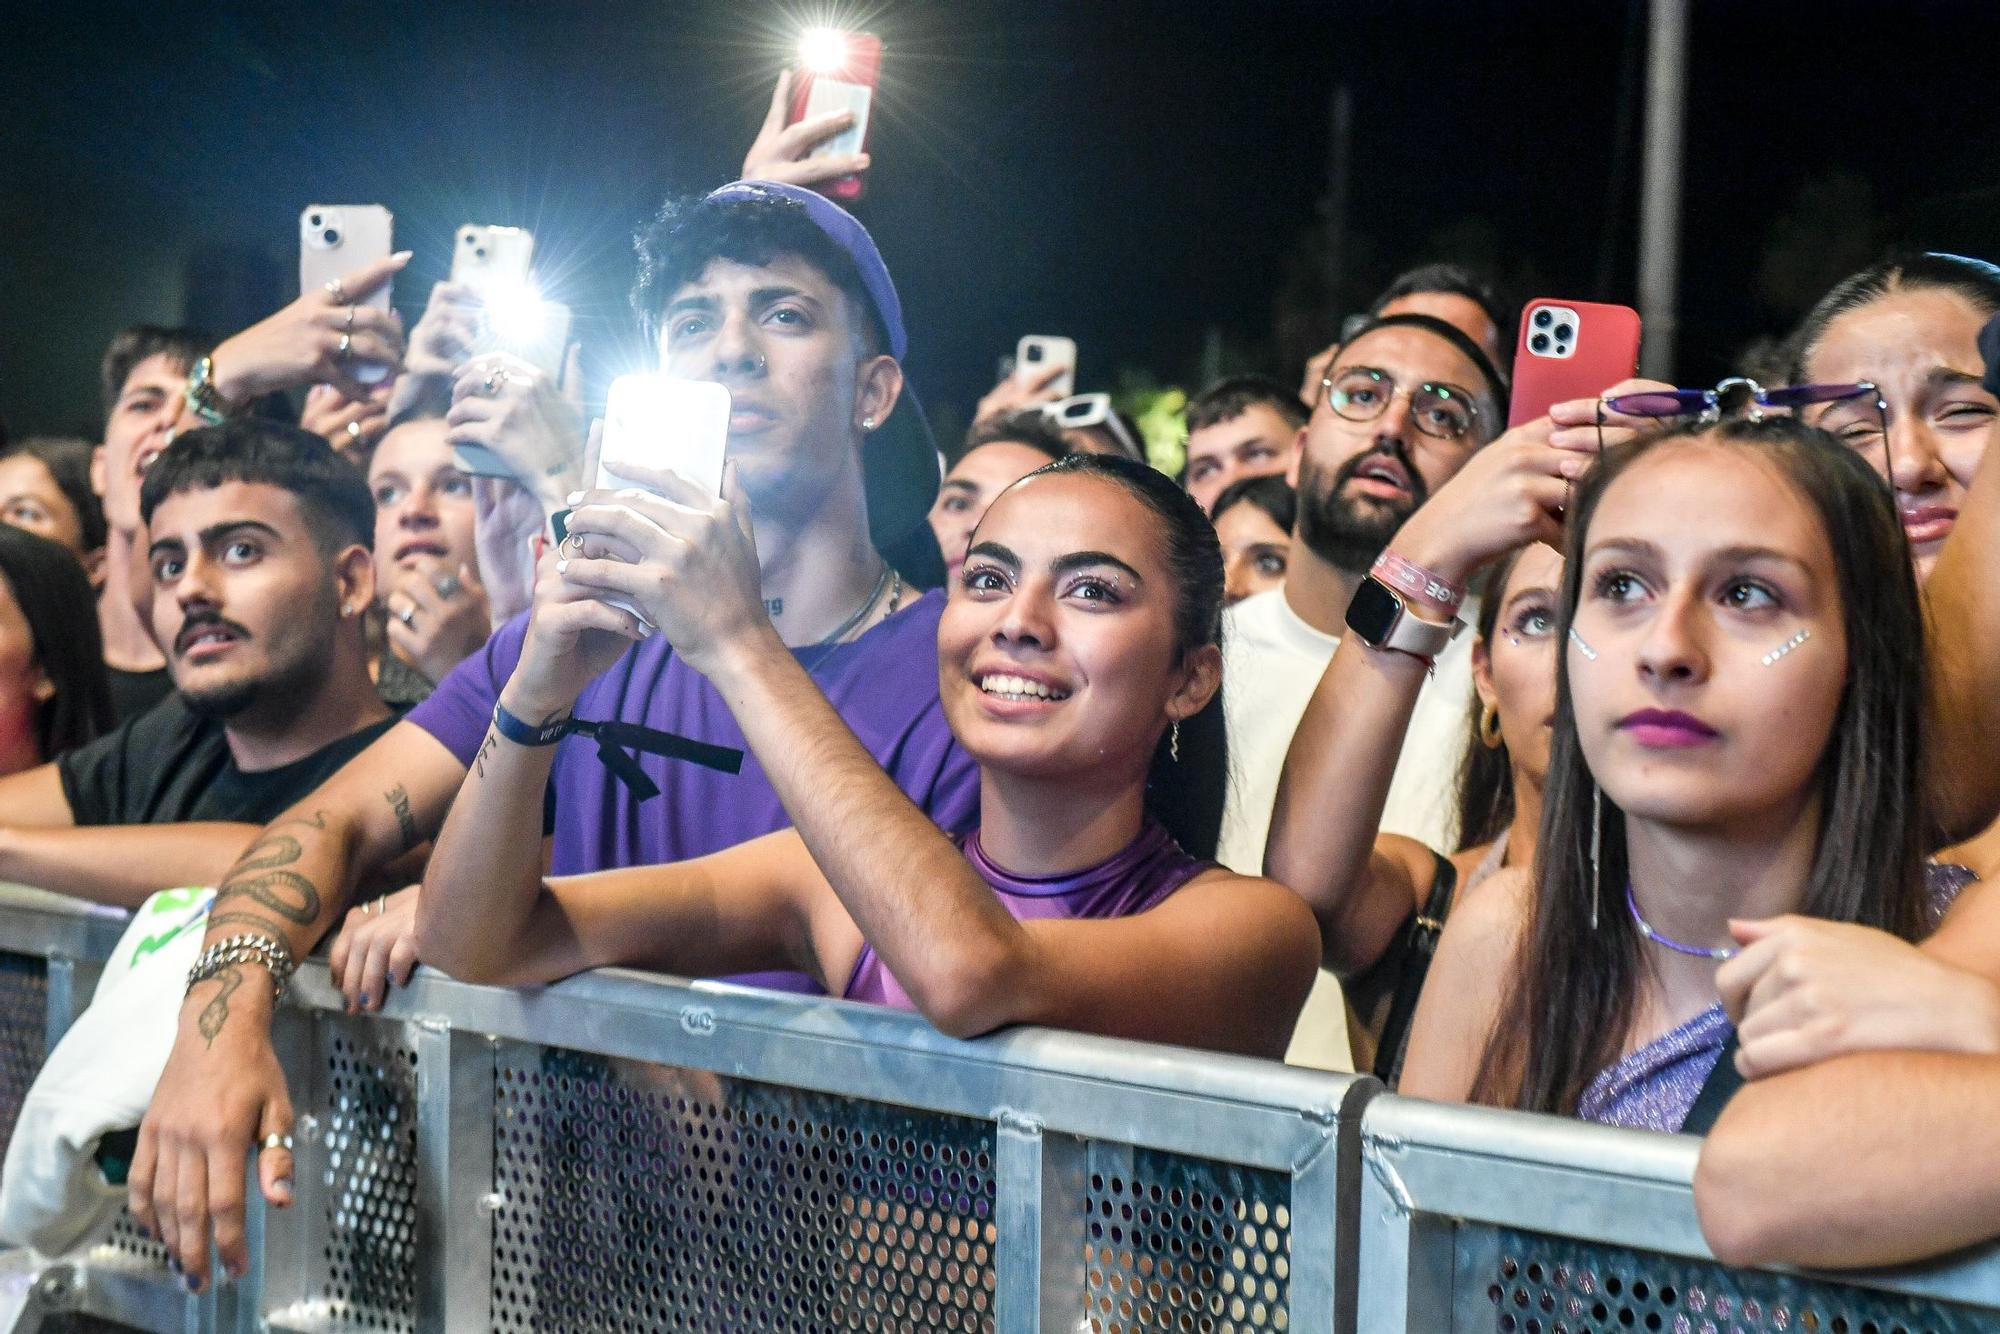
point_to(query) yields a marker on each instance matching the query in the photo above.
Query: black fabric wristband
(524, 733)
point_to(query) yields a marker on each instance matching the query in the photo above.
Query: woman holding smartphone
(1737, 736)
(1082, 632)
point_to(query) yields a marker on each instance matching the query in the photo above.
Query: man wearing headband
(1404, 404)
(781, 296)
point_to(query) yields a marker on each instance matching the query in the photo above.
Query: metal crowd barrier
(621, 1152)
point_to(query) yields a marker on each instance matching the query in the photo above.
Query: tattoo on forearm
(259, 876)
(485, 749)
(216, 1013)
(398, 798)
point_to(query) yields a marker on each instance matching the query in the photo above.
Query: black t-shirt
(134, 693)
(170, 765)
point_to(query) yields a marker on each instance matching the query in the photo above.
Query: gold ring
(276, 1142)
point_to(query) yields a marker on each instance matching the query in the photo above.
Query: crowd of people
(1635, 763)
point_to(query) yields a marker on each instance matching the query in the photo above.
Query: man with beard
(1406, 402)
(261, 569)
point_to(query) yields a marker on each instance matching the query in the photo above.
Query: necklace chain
(1719, 953)
(847, 627)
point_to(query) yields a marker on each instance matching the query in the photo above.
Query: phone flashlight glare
(515, 312)
(823, 50)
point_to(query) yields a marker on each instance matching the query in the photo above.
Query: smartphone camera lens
(330, 236)
(312, 220)
(1034, 352)
(1539, 343)
(479, 252)
(1542, 318)
(1563, 332)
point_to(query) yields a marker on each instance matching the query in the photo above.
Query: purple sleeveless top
(1150, 868)
(1655, 1087)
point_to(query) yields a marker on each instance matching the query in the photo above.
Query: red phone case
(863, 66)
(1607, 351)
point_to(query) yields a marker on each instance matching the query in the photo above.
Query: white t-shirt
(1272, 663)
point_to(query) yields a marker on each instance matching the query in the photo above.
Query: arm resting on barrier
(1962, 605)
(34, 799)
(1867, 1160)
(222, 1090)
(121, 865)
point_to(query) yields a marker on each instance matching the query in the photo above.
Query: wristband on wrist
(524, 733)
(612, 737)
(1414, 581)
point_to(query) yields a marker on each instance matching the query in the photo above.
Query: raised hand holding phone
(837, 75)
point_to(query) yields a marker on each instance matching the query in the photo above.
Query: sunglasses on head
(1080, 411)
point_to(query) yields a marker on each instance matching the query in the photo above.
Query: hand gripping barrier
(622, 1152)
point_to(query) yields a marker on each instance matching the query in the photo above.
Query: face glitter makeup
(1786, 647)
(1581, 647)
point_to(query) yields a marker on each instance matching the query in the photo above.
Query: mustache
(1395, 449)
(197, 622)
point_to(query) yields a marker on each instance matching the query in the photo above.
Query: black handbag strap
(1419, 945)
(1716, 1091)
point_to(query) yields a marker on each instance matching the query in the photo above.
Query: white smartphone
(1037, 352)
(658, 422)
(492, 259)
(337, 239)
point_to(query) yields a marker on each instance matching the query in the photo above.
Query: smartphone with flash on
(838, 71)
(537, 332)
(490, 259)
(660, 423)
(337, 239)
(1036, 353)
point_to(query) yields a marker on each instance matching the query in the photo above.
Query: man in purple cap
(781, 296)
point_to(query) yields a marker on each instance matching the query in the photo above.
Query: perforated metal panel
(24, 1033)
(366, 1155)
(129, 1248)
(639, 1197)
(1183, 1244)
(1549, 1285)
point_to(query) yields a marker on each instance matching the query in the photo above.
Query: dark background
(1146, 178)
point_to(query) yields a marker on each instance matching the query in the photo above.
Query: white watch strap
(1426, 639)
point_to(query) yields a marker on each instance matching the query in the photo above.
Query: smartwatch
(202, 396)
(1383, 620)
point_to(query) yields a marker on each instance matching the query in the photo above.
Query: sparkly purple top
(1655, 1087)
(1150, 868)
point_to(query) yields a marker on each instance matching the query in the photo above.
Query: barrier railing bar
(1326, 1200)
(455, 1204)
(284, 1286)
(1093, 1088)
(1039, 1183)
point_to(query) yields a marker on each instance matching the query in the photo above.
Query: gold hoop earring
(1489, 727)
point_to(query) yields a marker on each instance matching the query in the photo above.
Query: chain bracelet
(272, 955)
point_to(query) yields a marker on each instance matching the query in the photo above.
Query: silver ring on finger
(407, 614)
(570, 547)
(349, 326)
(336, 290)
(344, 346)
(270, 1142)
(447, 585)
(354, 431)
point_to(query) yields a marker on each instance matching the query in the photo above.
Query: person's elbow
(975, 991)
(1746, 1220)
(451, 951)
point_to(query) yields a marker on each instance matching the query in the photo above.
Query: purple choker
(1720, 953)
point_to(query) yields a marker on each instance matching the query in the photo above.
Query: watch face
(1373, 612)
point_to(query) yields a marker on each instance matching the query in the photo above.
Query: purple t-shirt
(1151, 867)
(885, 685)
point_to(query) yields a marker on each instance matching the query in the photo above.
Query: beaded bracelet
(272, 955)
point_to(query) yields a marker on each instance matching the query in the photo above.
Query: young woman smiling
(1737, 736)
(1081, 633)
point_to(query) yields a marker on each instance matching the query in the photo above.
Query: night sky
(1143, 177)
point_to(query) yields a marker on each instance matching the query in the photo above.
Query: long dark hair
(1973, 279)
(1184, 794)
(1570, 1005)
(1486, 777)
(56, 599)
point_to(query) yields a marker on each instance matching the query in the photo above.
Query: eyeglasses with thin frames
(1441, 411)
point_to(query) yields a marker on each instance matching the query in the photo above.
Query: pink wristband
(1415, 581)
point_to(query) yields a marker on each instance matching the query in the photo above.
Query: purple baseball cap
(900, 462)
